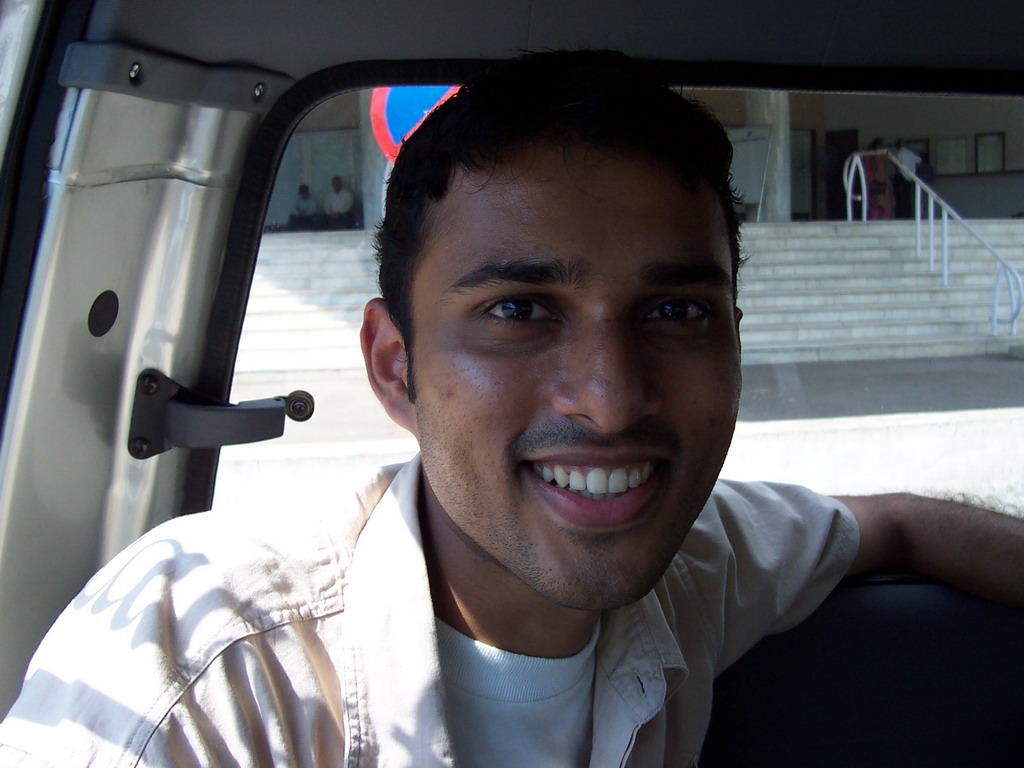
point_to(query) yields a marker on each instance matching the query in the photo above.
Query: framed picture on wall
(951, 155)
(990, 152)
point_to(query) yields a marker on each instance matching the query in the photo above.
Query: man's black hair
(599, 99)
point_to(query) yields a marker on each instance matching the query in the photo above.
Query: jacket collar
(392, 629)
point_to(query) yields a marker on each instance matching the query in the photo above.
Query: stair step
(276, 271)
(786, 335)
(770, 297)
(327, 284)
(298, 319)
(855, 282)
(859, 268)
(876, 349)
(314, 298)
(341, 336)
(864, 314)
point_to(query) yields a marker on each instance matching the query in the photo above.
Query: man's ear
(387, 363)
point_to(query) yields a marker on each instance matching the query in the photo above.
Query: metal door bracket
(166, 415)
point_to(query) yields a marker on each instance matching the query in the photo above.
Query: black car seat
(889, 671)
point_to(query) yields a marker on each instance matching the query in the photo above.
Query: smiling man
(576, 381)
(559, 576)
(559, 329)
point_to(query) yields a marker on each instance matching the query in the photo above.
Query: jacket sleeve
(763, 556)
(204, 643)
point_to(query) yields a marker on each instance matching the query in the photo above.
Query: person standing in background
(903, 181)
(880, 195)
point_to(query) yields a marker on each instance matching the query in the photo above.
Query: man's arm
(969, 547)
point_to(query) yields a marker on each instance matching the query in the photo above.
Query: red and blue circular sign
(397, 111)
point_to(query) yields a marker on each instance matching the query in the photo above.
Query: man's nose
(605, 381)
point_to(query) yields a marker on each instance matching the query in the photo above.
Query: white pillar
(375, 166)
(772, 108)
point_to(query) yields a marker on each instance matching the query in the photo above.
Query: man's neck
(477, 596)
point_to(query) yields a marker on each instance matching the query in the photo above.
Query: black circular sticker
(103, 313)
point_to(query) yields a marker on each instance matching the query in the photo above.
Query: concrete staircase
(856, 291)
(809, 291)
(306, 302)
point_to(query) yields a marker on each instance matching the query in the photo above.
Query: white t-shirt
(507, 710)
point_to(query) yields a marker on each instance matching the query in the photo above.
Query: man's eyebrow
(679, 274)
(528, 270)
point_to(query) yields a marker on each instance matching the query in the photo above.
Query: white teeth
(597, 481)
(576, 481)
(617, 481)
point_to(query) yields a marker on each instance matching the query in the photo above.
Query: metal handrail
(854, 175)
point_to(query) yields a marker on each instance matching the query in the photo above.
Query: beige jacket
(307, 639)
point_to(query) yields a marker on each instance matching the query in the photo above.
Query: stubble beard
(574, 569)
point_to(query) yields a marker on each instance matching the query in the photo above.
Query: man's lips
(600, 498)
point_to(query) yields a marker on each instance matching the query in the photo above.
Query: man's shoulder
(758, 559)
(757, 530)
(761, 503)
(266, 567)
(155, 618)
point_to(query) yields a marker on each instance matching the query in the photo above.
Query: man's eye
(677, 310)
(519, 310)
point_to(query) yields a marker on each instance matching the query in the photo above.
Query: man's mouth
(598, 483)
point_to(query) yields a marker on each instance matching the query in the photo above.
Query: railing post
(995, 299)
(853, 172)
(848, 184)
(857, 174)
(931, 233)
(945, 246)
(917, 218)
(865, 192)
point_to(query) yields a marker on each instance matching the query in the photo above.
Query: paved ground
(877, 387)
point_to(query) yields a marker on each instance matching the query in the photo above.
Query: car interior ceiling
(822, 35)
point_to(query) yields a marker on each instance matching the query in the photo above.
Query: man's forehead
(476, 198)
(508, 266)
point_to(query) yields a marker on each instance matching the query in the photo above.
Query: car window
(18, 21)
(869, 359)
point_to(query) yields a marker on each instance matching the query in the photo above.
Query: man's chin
(600, 588)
